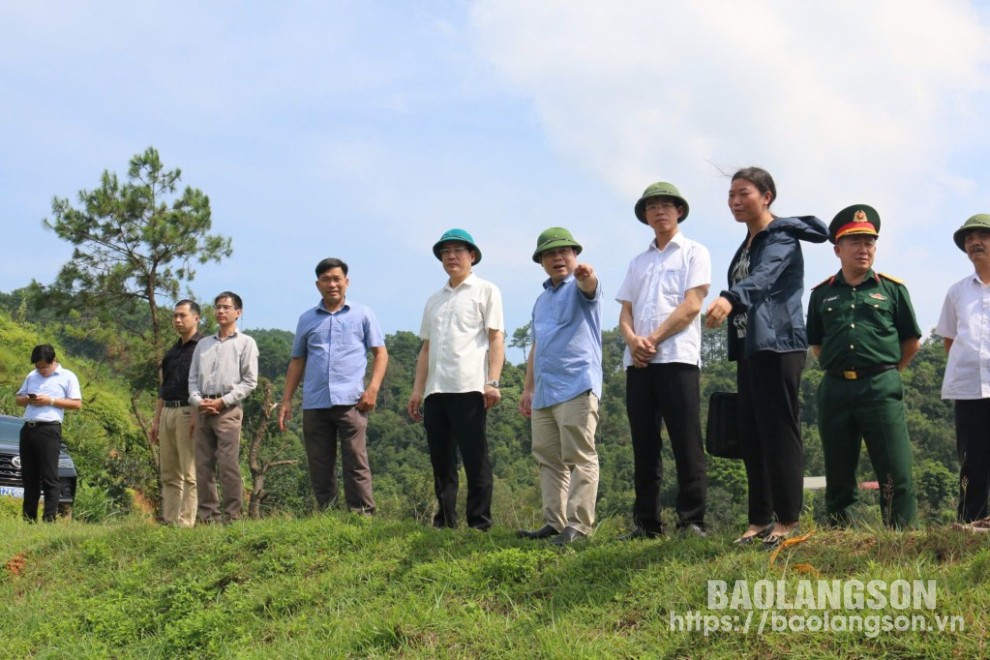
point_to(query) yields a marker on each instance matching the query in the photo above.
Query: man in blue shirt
(46, 394)
(331, 346)
(563, 386)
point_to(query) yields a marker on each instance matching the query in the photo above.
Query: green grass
(338, 585)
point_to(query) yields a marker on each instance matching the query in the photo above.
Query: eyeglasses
(660, 206)
(458, 251)
(224, 308)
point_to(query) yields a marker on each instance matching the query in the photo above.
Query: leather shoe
(569, 535)
(544, 532)
(639, 532)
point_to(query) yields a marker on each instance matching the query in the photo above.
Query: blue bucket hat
(457, 235)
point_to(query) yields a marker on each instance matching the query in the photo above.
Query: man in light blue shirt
(46, 394)
(563, 386)
(331, 347)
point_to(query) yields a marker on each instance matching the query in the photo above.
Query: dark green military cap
(855, 219)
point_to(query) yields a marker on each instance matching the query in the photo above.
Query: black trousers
(452, 422)
(770, 434)
(39, 447)
(666, 394)
(973, 445)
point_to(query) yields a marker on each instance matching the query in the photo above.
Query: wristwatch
(493, 383)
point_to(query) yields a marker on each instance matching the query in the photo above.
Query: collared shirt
(655, 284)
(335, 347)
(860, 326)
(965, 319)
(226, 366)
(567, 328)
(456, 322)
(175, 369)
(61, 384)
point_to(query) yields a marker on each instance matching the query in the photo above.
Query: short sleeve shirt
(456, 322)
(61, 384)
(655, 284)
(860, 326)
(567, 328)
(965, 319)
(335, 347)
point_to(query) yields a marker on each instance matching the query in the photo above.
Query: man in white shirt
(661, 299)
(455, 383)
(46, 394)
(963, 327)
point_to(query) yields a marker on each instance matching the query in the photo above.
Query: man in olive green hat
(661, 299)
(563, 386)
(962, 326)
(862, 329)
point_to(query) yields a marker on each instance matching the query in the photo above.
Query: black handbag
(722, 433)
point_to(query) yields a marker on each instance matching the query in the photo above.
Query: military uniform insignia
(878, 296)
(895, 280)
(860, 216)
(828, 300)
(827, 280)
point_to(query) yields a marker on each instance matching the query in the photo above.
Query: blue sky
(363, 130)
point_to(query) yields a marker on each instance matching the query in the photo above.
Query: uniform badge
(828, 300)
(860, 216)
(878, 296)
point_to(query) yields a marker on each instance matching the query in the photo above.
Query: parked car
(11, 483)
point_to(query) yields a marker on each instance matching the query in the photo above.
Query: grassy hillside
(340, 585)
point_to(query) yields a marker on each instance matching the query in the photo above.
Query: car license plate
(12, 491)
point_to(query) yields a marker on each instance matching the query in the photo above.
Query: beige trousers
(564, 446)
(178, 466)
(218, 450)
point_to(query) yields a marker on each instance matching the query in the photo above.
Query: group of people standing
(860, 325)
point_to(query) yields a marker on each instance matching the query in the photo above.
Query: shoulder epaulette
(827, 280)
(893, 279)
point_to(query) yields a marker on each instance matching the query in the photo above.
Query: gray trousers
(218, 449)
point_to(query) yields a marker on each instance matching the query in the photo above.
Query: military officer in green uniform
(862, 329)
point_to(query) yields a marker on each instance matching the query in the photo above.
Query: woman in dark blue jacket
(767, 337)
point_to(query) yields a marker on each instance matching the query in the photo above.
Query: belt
(861, 372)
(32, 424)
(176, 404)
(213, 396)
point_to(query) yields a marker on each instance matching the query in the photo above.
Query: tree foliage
(136, 244)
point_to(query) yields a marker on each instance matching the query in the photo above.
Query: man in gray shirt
(223, 373)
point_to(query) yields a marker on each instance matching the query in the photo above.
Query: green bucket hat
(660, 189)
(553, 238)
(978, 221)
(457, 235)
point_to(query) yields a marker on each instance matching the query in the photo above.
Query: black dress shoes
(544, 532)
(569, 535)
(639, 532)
